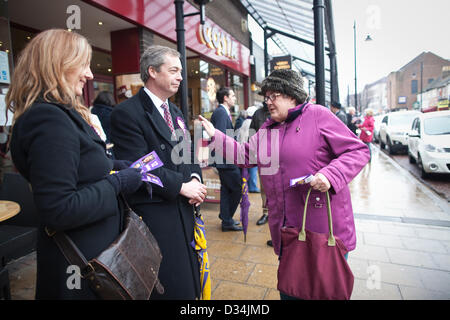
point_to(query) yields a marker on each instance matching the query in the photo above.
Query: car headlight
(431, 148)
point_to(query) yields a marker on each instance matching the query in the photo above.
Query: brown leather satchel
(127, 269)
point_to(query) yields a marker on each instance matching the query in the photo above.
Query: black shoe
(236, 222)
(262, 220)
(269, 243)
(231, 228)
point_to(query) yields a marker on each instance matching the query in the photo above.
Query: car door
(383, 128)
(413, 138)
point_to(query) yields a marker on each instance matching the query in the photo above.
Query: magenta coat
(311, 140)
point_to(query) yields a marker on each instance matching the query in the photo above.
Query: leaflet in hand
(148, 163)
(301, 180)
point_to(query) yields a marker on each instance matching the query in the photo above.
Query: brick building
(403, 85)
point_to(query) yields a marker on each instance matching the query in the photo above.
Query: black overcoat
(137, 128)
(65, 162)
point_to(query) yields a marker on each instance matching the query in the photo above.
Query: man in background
(336, 108)
(229, 174)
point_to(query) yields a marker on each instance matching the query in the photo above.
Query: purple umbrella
(245, 203)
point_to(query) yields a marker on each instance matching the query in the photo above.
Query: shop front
(214, 57)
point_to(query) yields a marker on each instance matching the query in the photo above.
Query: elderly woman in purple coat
(299, 139)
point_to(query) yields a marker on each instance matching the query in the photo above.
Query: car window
(402, 120)
(437, 126)
(414, 125)
(385, 119)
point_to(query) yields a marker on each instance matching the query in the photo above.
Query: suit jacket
(137, 128)
(66, 163)
(222, 122)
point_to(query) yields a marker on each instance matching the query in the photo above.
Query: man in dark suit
(149, 122)
(229, 174)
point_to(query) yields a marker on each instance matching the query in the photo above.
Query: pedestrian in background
(336, 108)
(103, 105)
(56, 149)
(311, 141)
(243, 134)
(259, 117)
(367, 128)
(229, 174)
(144, 123)
(352, 120)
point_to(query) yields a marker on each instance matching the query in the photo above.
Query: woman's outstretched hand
(210, 130)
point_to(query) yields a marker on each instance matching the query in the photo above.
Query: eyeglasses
(272, 97)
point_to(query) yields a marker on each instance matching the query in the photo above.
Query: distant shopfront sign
(401, 100)
(278, 63)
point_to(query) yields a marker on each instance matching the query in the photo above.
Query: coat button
(163, 147)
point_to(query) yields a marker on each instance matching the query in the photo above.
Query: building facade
(374, 96)
(436, 95)
(412, 79)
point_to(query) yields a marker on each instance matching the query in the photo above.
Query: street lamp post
(368, 38)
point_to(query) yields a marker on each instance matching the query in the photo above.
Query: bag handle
(302, 234)
(70, 250)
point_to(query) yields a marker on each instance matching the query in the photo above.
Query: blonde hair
(369, 112)
(42, 72)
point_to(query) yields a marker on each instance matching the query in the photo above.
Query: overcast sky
(401, 30)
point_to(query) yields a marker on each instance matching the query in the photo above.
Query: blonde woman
(367, 128)
(55, 147)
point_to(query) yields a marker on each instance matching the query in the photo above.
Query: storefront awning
(295, 18)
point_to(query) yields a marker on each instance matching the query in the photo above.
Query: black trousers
(230, 193)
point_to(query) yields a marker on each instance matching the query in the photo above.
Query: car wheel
(411, 158)
(423, 174)
(389, 146)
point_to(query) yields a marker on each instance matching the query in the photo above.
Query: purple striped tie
(168, 117)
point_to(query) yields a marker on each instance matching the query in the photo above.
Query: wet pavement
(402, 253)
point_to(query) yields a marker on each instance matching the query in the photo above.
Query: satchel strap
(302, 234)
(71, 252)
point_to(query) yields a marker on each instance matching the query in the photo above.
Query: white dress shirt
(157, 102)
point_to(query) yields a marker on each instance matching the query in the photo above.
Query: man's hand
(194, 191)
(320, 182)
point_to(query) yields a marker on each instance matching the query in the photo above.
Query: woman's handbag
(127, 269)
(313, 265)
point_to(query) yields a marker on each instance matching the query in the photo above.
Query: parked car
(394, 130)
(429, 142)
(376, 130)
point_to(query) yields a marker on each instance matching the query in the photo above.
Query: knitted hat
(285, 81)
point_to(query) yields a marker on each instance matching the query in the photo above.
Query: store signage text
(215, 38)
(278, 63)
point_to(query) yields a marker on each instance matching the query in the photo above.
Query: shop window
(238, 87)
(414, 86)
